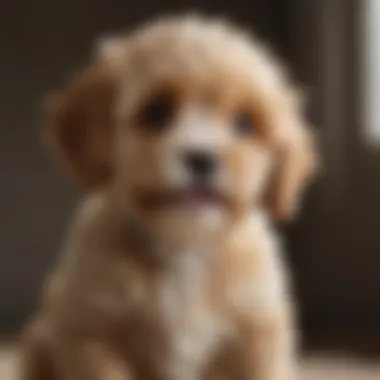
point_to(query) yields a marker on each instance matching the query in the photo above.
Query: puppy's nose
(200, 163)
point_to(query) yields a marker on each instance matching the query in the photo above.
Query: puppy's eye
(158, 113)
(243, 124)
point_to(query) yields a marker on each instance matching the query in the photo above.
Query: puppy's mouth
(198, 198)
(194, 198)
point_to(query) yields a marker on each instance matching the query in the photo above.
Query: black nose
(200, 163)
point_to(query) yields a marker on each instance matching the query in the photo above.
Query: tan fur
(143, 292)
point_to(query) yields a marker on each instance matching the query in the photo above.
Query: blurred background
(332, 46)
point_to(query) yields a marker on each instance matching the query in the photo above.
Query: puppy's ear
(295, 165)
(79, 125)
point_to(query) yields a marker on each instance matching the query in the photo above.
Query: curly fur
(165, 293)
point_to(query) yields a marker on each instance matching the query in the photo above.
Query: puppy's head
(189, 122)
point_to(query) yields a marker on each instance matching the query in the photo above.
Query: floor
(315, 368)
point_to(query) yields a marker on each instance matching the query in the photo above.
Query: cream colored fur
(171, 293)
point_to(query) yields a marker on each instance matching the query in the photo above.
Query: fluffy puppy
(188, 140)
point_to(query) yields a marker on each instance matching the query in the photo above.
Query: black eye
(158, 113)
(243, 124)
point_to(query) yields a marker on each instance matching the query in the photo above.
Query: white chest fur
(191, 328)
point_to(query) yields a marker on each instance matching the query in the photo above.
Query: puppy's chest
(181, 289)
(180, 323)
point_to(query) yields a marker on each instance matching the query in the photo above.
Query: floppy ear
(295, 165)
(79, 126)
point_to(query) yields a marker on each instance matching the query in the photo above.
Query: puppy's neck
(155, 249)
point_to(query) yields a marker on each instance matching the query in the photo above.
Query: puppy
(188, 141)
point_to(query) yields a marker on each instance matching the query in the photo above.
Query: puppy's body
(115, 303)
(172, 270)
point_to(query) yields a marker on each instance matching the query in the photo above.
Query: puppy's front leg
(270, 348)
(93, 361)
